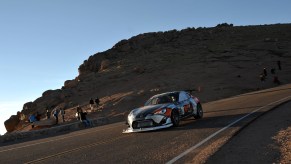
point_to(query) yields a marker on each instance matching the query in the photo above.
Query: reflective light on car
(133, 113)
(161, 111)
(149, 116)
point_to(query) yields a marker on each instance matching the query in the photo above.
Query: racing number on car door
(184, 100)
(187, 108)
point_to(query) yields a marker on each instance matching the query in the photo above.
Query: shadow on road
(260, 92)
(208, 122)
(231, 109)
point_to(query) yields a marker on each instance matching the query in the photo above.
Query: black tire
(199, 112)
(175, 118)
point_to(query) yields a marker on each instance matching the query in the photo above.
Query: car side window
(183, 96)
(188, 95)
(155, 101)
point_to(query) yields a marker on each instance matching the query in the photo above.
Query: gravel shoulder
(266, 140)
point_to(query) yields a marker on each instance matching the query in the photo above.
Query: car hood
(145, 110)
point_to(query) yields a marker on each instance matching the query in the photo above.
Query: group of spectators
(80, 114)
(264, 74)
(94, 103)
(56, 113)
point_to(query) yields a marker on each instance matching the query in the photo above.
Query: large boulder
(52, 93)
(28, 108)
(92, 64)
(70, 83)
(11, 123)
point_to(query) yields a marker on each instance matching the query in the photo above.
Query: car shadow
(232, 109)
(260, 92)
(211, 122)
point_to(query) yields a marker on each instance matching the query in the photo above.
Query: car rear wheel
(199, 113)
(175, 118)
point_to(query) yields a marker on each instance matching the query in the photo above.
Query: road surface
(107, 144)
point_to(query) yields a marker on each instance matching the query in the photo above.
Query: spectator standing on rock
(273, 71)
(32, 118)
(56, 114)
(84, 118)
(22, 117)
(91, 102)
(79, 109)
(37, 116)
(279, 64)
(63, 114)
(276, 80)
(48, 114)
(265, 72)
(97, 101)
(262, 77)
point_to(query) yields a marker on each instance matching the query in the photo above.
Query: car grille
(142, 124)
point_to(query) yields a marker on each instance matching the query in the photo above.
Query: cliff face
(222, 61)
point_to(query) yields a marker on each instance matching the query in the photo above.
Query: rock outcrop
(11, 123)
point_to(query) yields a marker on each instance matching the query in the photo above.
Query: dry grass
(283, 138)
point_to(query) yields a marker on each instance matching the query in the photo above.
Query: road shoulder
(263, 141)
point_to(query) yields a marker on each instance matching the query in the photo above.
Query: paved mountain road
(107, 144)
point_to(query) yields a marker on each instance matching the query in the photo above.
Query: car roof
(166, 93)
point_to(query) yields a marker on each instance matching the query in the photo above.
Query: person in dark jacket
(276, 80)
(273, 71)
(91, 102)
(265, 72)
(37, 116)
(63, 114)
(279, 65)
(48, 114)
(262, 77)
(56, 114)
(97, 101)
(84, 119)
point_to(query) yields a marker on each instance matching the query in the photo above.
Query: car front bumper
(131, 130)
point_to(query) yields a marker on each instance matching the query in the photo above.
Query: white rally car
(163, 111)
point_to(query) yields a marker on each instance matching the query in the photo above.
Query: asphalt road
(107, 144)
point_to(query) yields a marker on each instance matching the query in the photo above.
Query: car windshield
(162, 99)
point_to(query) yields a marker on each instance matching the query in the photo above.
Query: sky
(42, 43)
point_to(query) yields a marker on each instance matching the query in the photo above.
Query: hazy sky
(42, 43)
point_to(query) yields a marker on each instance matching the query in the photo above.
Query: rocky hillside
(222, 61)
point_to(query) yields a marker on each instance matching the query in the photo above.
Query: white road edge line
(219, 131)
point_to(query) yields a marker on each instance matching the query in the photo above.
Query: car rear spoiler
(193, 90)
(190, 90)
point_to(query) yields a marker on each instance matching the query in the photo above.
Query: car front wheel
(175, 118)
(199, 113)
